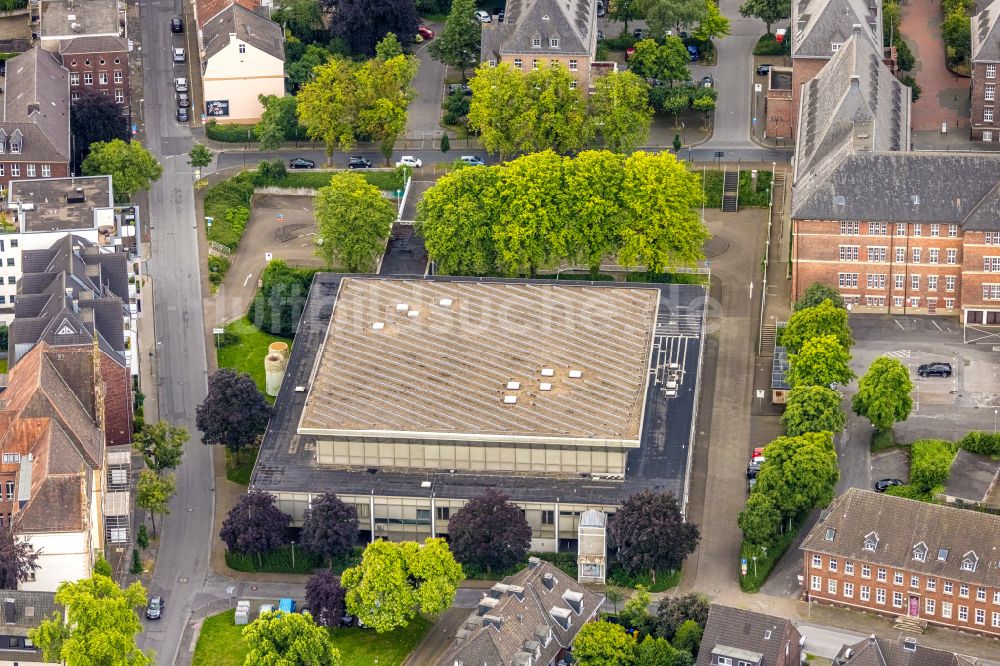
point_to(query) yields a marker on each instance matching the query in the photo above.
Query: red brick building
(98, 63)
(985, 126)
(896, 556)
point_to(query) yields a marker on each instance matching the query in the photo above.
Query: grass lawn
(221, 644)
(3, 366)
(239, 472)
(244, 347)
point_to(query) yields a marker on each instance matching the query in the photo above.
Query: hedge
(235, 192)
(389, 181)
(986, 443)
(930, 463)
(768, 45)
(230, 132)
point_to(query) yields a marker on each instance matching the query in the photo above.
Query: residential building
(736, 636)
(22, 611)
(243, 57)
(542, 33)
(97, 63)
(510, 384)
(68, 298)
(206, 9)
(893, 556)
(34, 130)
(60, 21)
(878, 651)
(819, 29)
(985, 61)
(529, 619)
(58, 491)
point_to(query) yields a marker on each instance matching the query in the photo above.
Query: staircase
(730, 191)
(767, 340)
(913, 625)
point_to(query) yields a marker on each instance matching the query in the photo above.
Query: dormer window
(831, 532)
(3, 141)
(920, 552)
(871, 541)
(969, 561)
(835, 46)
(536, 42)
(554, 43)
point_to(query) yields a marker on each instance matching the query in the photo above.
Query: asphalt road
(425, 109)
(179, 363)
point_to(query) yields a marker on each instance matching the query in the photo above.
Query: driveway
(422, 120)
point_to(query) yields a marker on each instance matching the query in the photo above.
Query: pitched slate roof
(92, 44)
(206, 10)
(515, 619)
(730, 630)
(36, 103)
(898, 527)
(818, 24)
(240, 23)
(985, 35)
(29, 609)
(877, 651)
(572, 22)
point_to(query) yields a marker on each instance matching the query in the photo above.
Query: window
(980, 594)
(991, 292)
(443, 512)
(996, 597)
(948, 586)
(493, 63)
(988, 114)
(866, 593)
(992, 237)
(835, 46)
(554, 43)
(991, 71)
(118, 76)
(102, 78)
(901, 254)
(991, 264)
(46, 170)
(572, 65)
(914, 282)
(74, 79)
(831, 587)
(817, 561)
(880, 595)
(914, 301)
(929, 606)
(849, 568)
(915, 580)
(878, 228)
(518, 63)
(996, 619)
(876, 254)
(963, 589)
(847, 279)
(849, 590)
(74, 96)
(11, 458)
(949, 283)
(866, 571)
(897, 599)
(952, 231)
(833, 564)
(1, 169)
(119, 96)
(15, 146)
(817, 583)
(935, 230)
(553, 63)
(897, 578)
(980, 616)
(11, 279)
(901, 228)
(875, 301)
(536, 42)
(949, 303)
(918, 230)
(850, 253)
(548, 517)
(849, 228)
(88, 78)
(946, 610)
(724, 661)
(87, 62)
(243, 48)
(534, 64)
(880, 575)
(876, 281)
(897, 301)
(952, 254)
(898, 280)
(933, 254)
(916, 255)
(15, 170)
(932, 281)
(963, 613)
(9, 490)
(31, 171)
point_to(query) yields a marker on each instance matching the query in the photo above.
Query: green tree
(395, 581)
(815, 294)
(327, 105)
(688, 637)
(823, 319)
(200, 156)
(301, 69)
(557, 113)
(956, 30)
(383, 91)
(823, 361)
(621, 111)
(102, 567)
(99, 626)
(288, 639)
(388, 47)
(153, 493)
(602, 643)
(891, 17)
(883, 395)
(278, 123)
(623, 10)
(664, 15)
(445, 143)
(653, 651)
(705, 104)
(131, 167)
(675, 102)
(635, 613)
(799, 473)
(614, 595)
(760, 519)
(458, 43)
(663, 62)
(813, 409)
(301, 17)
(768, 11)
(161, 445)
(594, 181)
(353, 220)
(713, 24)
(930, 464)
(499, 105)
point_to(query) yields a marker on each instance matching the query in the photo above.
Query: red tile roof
(205, 10)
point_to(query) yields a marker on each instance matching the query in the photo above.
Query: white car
(181, 84)
(179, 55)
(409, 161)
(483, 16)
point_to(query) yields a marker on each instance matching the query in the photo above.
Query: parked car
(181, 84)
(500, 15)
(410, 161)
(707, 82)
(758, 452)
(692, 53)
(359, 163)
(301, 163)
(177, 24)
(472, 160)
(183, 100)
(182, 115)
(754, 467)
(932, 369)
(883, 485)
(751, 483)
(425, 32)
(629, 52)
(639, 33)
(482, 16)
(179, 55)
(763, 69)
(265, 608)
(459, 87)
(154, 609)
(601, 9)
(600, 35)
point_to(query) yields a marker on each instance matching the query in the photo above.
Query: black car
(155, 608)
(177, 24)
(359, 163)
(883, 485)
(459, 87)
(500, 14)
(182, 115)
(753, 468)
(932, 369)
(762, 70)
(301, 163)
(639, 33)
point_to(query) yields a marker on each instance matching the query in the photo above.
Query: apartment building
(408, 397)
(61, 21)
(985, 60)
(97, 64)
(896, 556)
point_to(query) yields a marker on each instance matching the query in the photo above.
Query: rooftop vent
(575, 374)
(510, 400)
(300, 389)
(915, 199)
(533, 562)
(425, 484)
(574, 599)
(413, 314)
(910, 644)
(378, 326)
(562, 616)
(548, 372)
(445, 302)
(402, 307)
(486, 604)
(513, 386)
(545, 386)
(549, 581)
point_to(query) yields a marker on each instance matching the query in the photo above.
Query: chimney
(486, 604)
(533, 562)
(549, 581)
(856, 30)
(76, 305)
(493, 621)
(855, 82)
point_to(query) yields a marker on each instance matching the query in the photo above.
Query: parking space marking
(937, 326)
(898, 324)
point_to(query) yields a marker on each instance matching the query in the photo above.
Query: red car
(759, 451)
(628, 52)
(425, 32)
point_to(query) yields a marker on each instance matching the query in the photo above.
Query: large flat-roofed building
(407, 397)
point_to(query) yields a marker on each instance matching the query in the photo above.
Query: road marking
(898, 324)
(249, 275)
(936, 326)
(901, 353)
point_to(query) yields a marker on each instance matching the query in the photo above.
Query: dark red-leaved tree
(329, 528)
(675, 611)
(18, 561)
(255, 525)
(325, 598)
(489, 532)
(650, 533)
(95, 117)
(363, 23)
(234, 412)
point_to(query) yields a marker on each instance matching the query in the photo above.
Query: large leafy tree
(813, 409)
(688, 637)
(956, 30)
(95, 117)
(255, 525)
(760, 520)
(161, 445)
(664, 15)
(500, 104)
(883, 395)
(329, 527)
(279, 121)
(99, 626)
(458, 44)
(621, 111)
(301, 17)
(650, 533)
(663, 62)
(153, 493)
(353, 220)
(930, 464)
(823, 361)
(395, 581)
(384, 94)
(672, 612)
(602, 643)
(799, 473)
(18, 560)
(200, 156)
(327, 105)
(768, 11)
(131, 167)
(815, 294)
(278, 304)
(595, 182)
(288, 639)
(713, 24)
(823, 319)
(325, 598)
(234, 413)
(624, 10)
(489, 532)
(654, 651)
(299, 69)
(363, 23)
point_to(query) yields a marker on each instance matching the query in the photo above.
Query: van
(286, 605)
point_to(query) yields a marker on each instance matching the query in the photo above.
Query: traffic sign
(218, 331)
(281, 218)
(743, 566)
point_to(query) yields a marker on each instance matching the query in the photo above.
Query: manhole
(182, 580)
(715, 246)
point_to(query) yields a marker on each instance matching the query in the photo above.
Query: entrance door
(914, 606)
